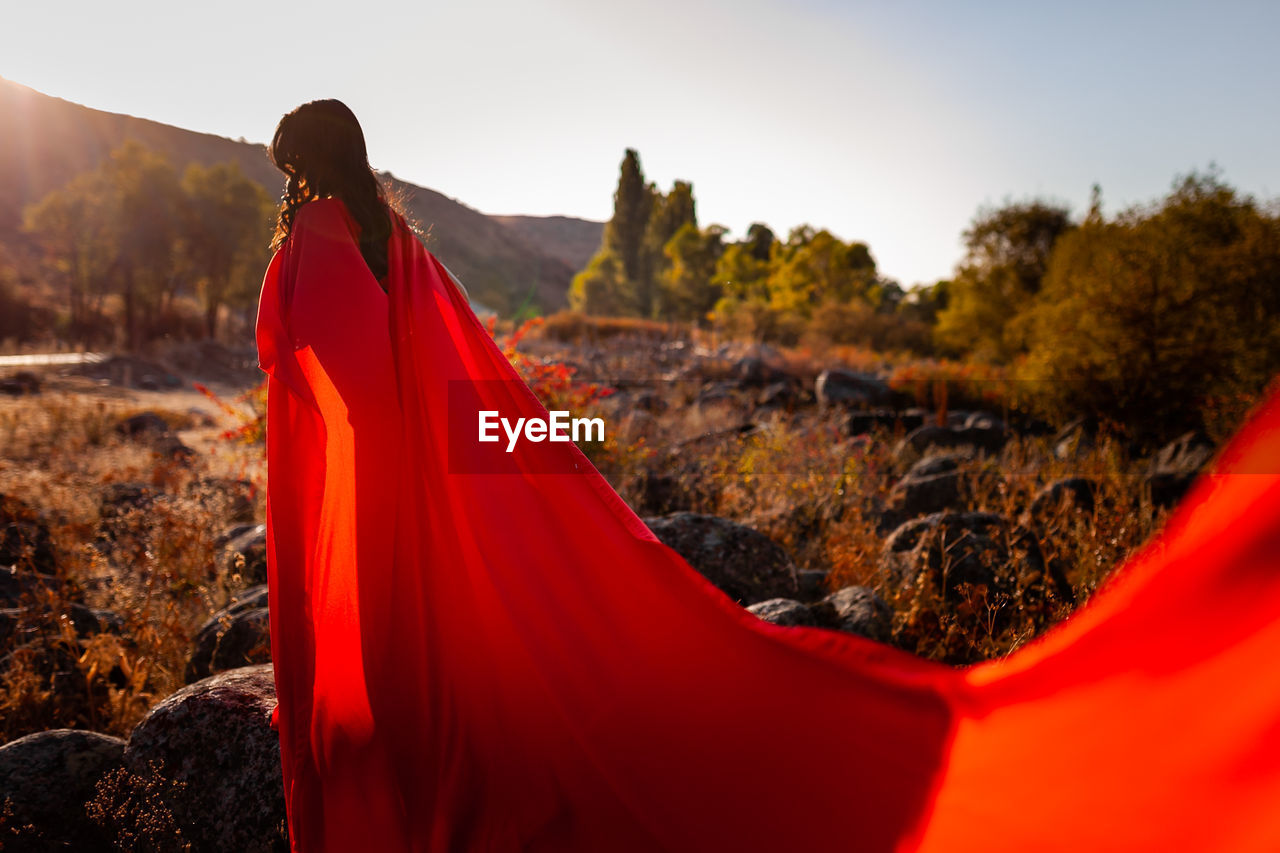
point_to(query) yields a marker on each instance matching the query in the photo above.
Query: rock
(858, 610)
(1173, 470)
(780, 396)
(955, 548)
(846, 388)
(1076, 438)
(931, 485)
(247, 554)
(212, 762)
(24, 536)
(813, 583)
(48, 778)
(20, 383)
(88, 621)
(983, 421)
(120, 499)
(755, 372)
(744, 563)
(1076, 492)
(863, 423)
(143, 425)
(985, 439)
(236, 636)
(784, 611)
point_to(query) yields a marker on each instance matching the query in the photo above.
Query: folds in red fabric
(483, 650)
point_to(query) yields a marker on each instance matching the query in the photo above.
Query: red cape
(511, 660)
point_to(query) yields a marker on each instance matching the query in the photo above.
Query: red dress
(477, 650)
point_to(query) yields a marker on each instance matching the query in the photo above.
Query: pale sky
(889, 123)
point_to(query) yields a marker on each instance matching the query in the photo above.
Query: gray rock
(230, 639)
(846, 388)
(247, 554)
(47, 778)
(1077, 492)
(213, 762)
(744, 563)
(985, 439)
(955, 548)
(813, 583)
(1174, 469)
(784, 611)
(932, 484)
(858, 610)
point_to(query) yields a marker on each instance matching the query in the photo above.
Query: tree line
(1147, 316)
(127, 239)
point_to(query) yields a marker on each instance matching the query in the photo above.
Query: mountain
(503, 261)
(574, 241)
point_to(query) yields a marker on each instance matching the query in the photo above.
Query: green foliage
(687, 287)
(225, 215)
(629, 275)
(132, 229)
(1007, 254)
(1150, 317)
(603, 287)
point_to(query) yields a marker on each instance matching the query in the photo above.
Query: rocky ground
(133, 600)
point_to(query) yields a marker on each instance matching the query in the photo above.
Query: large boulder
(205, 763)
(857, 610)
(744, 563)
(933, 484)
(236, 636)
(950, 549)
(46, 781)
(837, 387)
(784, 611)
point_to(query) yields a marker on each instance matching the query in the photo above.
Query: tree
(688, 290)
(72, 225)
(146, 200)
(1144, 318)
(1007, 252)
(602, 288)
(226, 214)
(815, 267)
(669, 214)
(632, 205)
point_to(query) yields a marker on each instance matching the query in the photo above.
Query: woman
(483, 650)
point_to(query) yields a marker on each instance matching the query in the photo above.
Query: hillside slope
(49, 140)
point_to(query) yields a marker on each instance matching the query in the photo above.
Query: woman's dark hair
(320, 148)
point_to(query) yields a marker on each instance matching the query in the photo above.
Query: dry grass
(794, 477)
(156, 565)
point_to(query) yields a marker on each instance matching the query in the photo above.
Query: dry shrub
(157, 565)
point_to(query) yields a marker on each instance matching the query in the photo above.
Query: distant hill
(502, 260)
(573, 241)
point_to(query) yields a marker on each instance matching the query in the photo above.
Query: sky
(891, 123)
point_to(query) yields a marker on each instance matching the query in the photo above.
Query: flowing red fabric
(511, 660)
